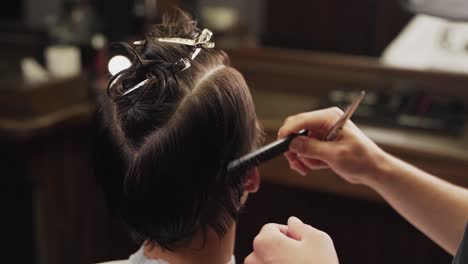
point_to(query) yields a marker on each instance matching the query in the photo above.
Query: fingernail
(296, 145)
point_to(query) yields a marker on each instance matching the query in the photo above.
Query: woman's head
(174, 137)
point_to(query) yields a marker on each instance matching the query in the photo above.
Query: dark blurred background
(296, 56)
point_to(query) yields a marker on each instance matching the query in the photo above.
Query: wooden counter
(50, 195)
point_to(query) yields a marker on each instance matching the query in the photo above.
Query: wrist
(380, 169)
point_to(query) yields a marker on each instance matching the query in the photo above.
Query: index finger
(320, 120)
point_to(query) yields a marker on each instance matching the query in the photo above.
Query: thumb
(295, 228)
(311, 148)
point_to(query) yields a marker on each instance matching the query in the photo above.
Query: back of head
(174, 137)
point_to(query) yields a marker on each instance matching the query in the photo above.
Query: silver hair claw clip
(201, 41)
(185, 62)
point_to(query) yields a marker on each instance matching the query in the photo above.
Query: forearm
(437, 208)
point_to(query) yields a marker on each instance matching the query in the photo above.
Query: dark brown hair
(173, 138)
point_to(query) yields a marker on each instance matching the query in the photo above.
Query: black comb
(263, 154)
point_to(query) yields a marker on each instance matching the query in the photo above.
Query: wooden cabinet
(363, 27)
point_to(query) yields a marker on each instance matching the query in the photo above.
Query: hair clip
(201, 41)
(184, 62)
(138, 85)
(204, 38)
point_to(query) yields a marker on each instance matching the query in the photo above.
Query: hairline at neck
(215, 250)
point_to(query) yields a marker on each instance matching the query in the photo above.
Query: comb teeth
(263, 154)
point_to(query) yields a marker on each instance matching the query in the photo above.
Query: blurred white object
(63, 61)
(429, 43)
(33, 73)
(98, 41)
(118, 63)
(450, 9)
(220, 18)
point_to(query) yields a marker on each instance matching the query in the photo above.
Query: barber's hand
(352, 155)
(296, 243)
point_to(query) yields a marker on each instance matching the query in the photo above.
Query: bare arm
(437, 208)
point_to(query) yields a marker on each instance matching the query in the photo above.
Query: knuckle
(300, 116)
(257, 243)
(326, 238)
(263, 240)
(336, 111)
(281, 130)
(318, 234)
(344, 151)
(267, 227)
(322, 235)
(290, 119)
(249, 259)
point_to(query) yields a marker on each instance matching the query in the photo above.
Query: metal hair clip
(201, 41)
(138, 85)
(185, 62)
(182, 62)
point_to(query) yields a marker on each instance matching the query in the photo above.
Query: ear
(253, 181)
